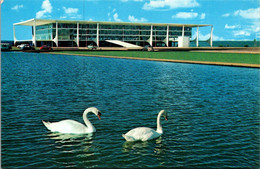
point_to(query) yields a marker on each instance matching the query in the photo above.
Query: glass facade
(44, 32)
(95, 32)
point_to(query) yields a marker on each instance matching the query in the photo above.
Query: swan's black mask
(166, 118)
(99, 115)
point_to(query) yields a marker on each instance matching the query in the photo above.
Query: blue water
(213, 112)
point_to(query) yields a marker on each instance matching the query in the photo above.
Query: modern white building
(70, 33)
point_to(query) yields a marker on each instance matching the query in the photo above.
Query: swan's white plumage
(141, 133)
(145, 133)
(66, 126)
(72, 126)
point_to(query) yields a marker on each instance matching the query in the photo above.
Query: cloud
(232, 26)
(133, 19)
(248, 30)
(71, 13)
(46, 8)
(133, 0)
(255, 27)
(185, 15)
(17, 7)
(115, 16)
(241, 33)
(244, 30)
(252, 13)
(188, 15)
(70, 10)
(170, 4)
(226, 15)
(203, 16)
(251, 16)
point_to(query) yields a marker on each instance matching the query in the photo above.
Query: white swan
(72, 126)
(145, 133)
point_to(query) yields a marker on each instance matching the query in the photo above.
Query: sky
(231, 19)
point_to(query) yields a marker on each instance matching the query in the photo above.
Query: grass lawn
(190, 56)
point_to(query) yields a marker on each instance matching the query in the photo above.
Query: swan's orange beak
(166, 118)
(99, 115)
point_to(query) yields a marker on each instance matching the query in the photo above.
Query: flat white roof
(38, 22)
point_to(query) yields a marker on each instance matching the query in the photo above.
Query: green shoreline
(212, 58)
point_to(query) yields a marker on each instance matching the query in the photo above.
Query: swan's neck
(90, 127)
(159, 127)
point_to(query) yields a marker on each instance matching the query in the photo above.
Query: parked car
(5, 46)
(45, 47)
(92, 47)
(21, 45)
(148, 48)
(27, 47)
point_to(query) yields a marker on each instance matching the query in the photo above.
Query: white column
(151, 36)
(167, 36)
(97, 34)
(14, 34)
(211, 36)
(182, 31)
(197, 39)
(57, 37)
(78, 34)
(34, 33)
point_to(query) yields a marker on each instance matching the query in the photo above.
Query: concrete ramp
(124, 44)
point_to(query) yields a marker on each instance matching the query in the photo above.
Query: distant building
(65, 33)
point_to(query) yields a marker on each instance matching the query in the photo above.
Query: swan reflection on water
(81, 142)
(77, 145)
(70, 138)
(159, 148)
(142, 145)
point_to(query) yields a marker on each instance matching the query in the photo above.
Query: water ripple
(213, 113)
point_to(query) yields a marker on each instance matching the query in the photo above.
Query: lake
(213, 112)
